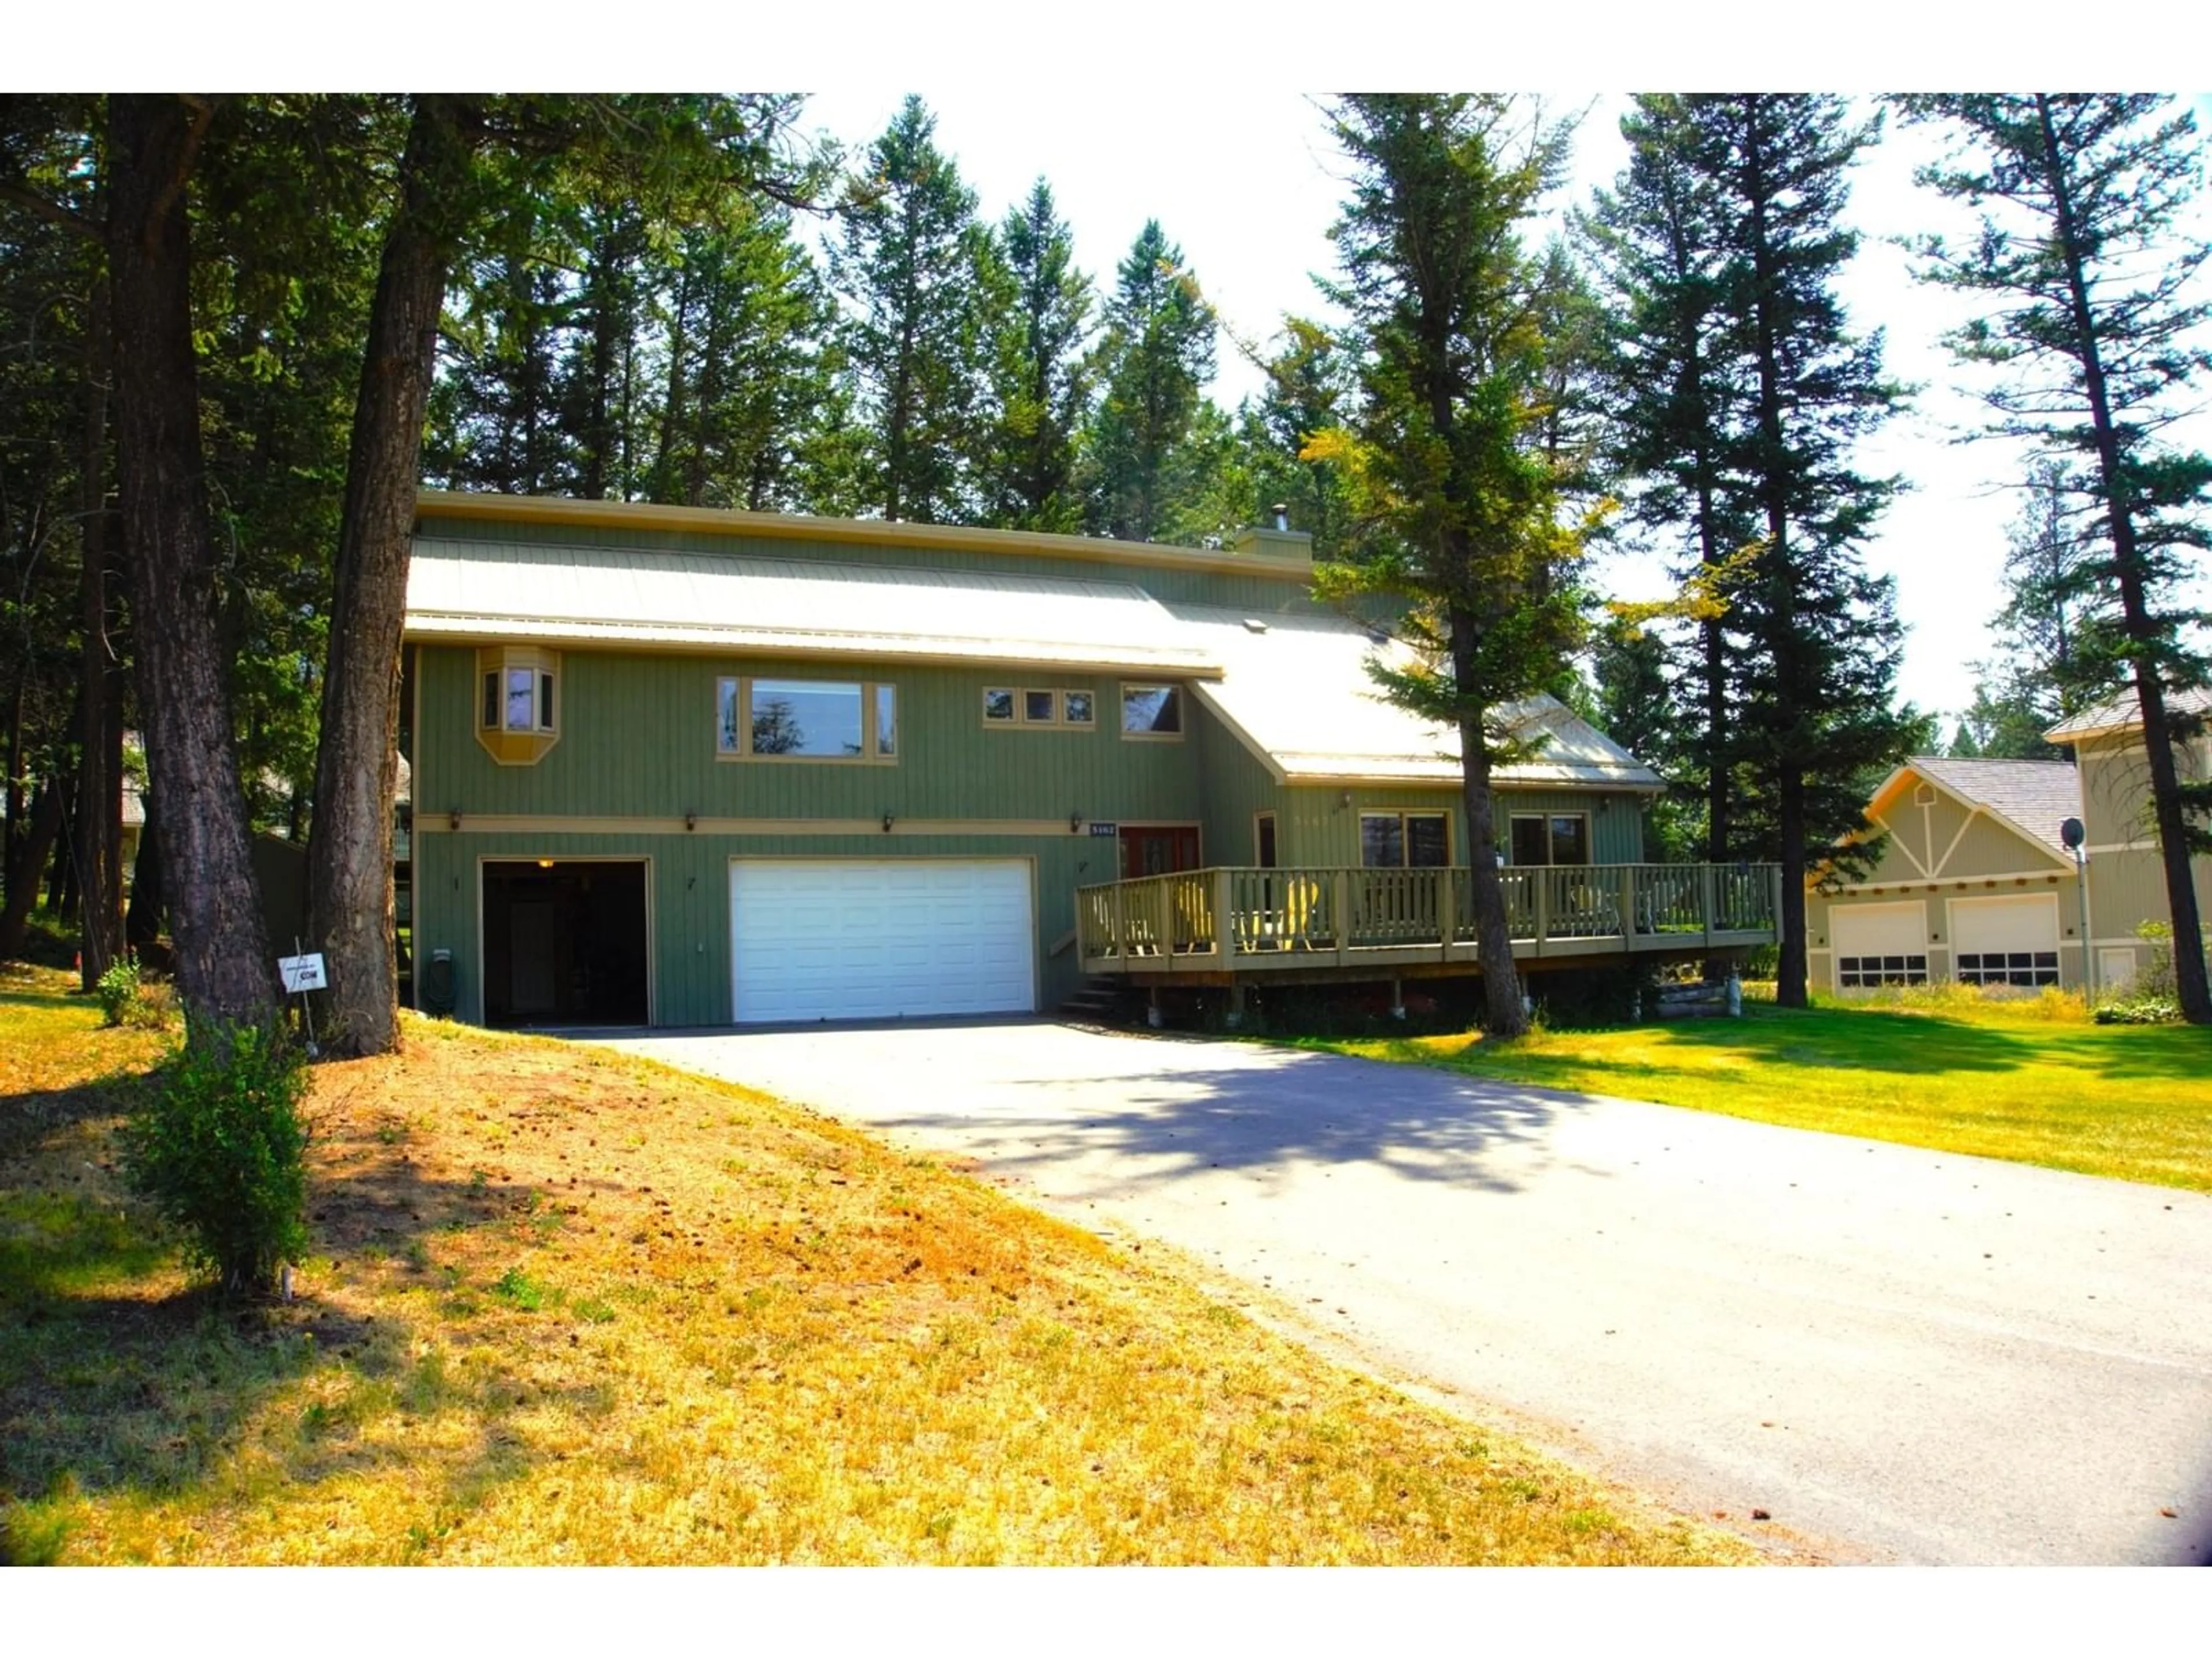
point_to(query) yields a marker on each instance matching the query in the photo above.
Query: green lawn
(2034, 1082)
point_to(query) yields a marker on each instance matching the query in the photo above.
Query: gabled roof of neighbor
(2123, 713)
(2030, 798)
(1296, 690)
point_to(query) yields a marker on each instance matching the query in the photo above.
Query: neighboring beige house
(2127, 880)
(1974, 883)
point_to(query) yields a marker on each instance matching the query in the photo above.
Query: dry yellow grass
(573, 1308)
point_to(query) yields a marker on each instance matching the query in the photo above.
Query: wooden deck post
(1628, 907)
(1340, 909)
(1705, 899)
(1541, 881)
(1120, 926)
(1447, 913)
(1226, 928)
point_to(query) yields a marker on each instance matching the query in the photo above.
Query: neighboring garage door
(1878, 945)
(878, 938)
(2006, 941)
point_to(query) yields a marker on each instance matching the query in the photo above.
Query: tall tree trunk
(1503, 1014)
(99, 769)
(2190, 983)
(1790, 975)
(223, 967)
(349, 895)
(29, 875)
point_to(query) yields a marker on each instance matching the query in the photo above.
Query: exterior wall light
(453, 818)
(887, 824)
(690, 822)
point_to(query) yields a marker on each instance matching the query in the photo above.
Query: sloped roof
(485, 590)
(2032, 798)
(1295, 689)
(2123, 713)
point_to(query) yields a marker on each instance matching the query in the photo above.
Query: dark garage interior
(564, 943)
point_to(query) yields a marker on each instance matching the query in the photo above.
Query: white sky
(1192, 114)
(1248, 183)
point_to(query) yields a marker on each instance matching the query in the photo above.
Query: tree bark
(2190, 983)
(99, 769)
(223, 968)
(1504, 1015)
(350, 892)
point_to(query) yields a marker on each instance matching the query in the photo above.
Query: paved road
(1925, 1357)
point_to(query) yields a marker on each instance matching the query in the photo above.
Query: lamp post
(2073, 837)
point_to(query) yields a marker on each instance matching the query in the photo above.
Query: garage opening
(564, 943)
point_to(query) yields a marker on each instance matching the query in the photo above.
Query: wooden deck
(1316, 922)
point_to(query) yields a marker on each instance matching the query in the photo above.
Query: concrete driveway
(1915, 1356)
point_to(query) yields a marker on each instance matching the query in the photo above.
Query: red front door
(1158, 852)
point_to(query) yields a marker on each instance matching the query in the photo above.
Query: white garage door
(2007, 941)
(1878, 945)
(877, 939)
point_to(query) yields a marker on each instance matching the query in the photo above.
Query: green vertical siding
(689, 896)
(637, 737)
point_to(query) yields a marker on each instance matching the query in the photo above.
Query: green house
(683, 767)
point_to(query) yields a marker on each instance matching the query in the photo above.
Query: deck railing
(1220, 918)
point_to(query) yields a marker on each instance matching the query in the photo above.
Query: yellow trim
(506, 745)
(498, 823)
(1020, 720)
(524, 510)
(869, 727)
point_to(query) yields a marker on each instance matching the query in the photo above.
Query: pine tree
(2094, 313)
(1040, 371)
(1675, 389)
(1815, 678)
(908, 270)
(1156, 356)
(1311, 383)
(747, 366)
(1460, 503)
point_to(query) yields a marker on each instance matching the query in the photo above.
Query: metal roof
(507, 590)
(1296, 690)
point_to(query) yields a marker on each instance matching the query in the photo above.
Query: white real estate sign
(301, 973)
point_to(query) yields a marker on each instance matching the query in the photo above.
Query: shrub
(117, 990)
(219, 1146)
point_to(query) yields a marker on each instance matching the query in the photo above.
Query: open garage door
(880, 938)
(2012, 940)
(564, 942)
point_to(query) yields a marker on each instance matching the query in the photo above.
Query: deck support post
(1397, 999)
(1152, 1016)
(1447, 914)
(1339, 909)
(1236, 1003)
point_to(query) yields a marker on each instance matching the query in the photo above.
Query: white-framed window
(1404, 840)
(762, 717)
(1056, 707)
(1152, 711)
(1549, 838)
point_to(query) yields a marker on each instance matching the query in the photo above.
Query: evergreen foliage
(2094, 316)
(1040, 306)
(1459, 498)
(914, 337)
(1156, 356)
